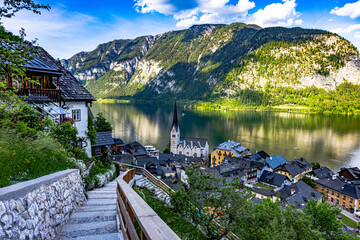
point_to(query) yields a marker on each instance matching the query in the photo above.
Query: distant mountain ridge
(216, 60)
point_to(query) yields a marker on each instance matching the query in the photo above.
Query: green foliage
(316, 165)
(91, 133)
(206, 199)
(101, 124)
(65, 133)
(23, 158)
(308, 181)
(183, 228)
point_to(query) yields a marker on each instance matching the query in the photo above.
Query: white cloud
(161, 6)
(276, 14)
(357, 35)
(351, 10)
(347, 29)
(64, 33)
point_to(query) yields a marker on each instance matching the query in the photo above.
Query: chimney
(333, 177)
(292, 191)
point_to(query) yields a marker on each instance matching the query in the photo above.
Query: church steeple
(175, 118)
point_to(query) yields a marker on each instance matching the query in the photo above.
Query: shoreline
(193, 105)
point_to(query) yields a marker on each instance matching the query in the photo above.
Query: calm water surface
(333, 141)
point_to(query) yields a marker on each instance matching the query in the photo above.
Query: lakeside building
(191, 147)
(54, 92)
(339, 193)
(228, 149)
(295, 169)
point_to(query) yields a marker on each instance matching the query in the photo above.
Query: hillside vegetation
(220, 63)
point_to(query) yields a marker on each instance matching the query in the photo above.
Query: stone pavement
(97, 219)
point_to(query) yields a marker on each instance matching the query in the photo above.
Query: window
(173, 135)
(344, 197)
(76, 115)
(343, 204)
(327, 190)
(332, 192)
(337, 194)
(322, 188)
(337, 201)
(98, 150)
(351, 200)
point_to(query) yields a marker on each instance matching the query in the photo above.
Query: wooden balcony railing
(131, 206)
(53, 94)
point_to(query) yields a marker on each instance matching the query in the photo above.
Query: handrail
(148, 175)
(167, 189)
(38, 92)
(131, 206)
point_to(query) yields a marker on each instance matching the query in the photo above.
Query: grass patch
(347, 221)
(183, 228)
(263, 186)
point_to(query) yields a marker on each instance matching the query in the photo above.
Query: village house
(350, 174)
(149, 163)
(261, 193)
(55, 93)
(118, 146)
(227, 149)
(135, 149)
(295, 169)
(298, 194)
(274, 180)
(275, 162)
(321, 173)
(103, 144)
(339, 193)
(191, 147)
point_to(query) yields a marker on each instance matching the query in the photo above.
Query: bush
(23, 158)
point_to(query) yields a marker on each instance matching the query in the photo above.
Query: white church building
(191, 147)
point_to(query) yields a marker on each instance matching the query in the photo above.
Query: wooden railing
(148, 175)
(131, 207)
(131, 170)
(53, 94)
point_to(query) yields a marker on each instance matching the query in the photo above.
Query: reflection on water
(333, 141)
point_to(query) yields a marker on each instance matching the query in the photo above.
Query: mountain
(206, 61)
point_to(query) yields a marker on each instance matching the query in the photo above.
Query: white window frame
(97, 150)
(76, 115)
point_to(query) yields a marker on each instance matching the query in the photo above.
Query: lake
(333, 141)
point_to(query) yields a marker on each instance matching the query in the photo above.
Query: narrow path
(349, 215)
(95, 220)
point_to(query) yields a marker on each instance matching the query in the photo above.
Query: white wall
(81, 125)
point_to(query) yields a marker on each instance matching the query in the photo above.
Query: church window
(173, 135)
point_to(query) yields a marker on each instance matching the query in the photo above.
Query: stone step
(109, 236)
(98, 208)
(87, 217)
(87, 229)
(99, 196)
(100, 202)
(102, 192)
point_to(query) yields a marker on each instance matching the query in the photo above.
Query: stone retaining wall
(35, 209)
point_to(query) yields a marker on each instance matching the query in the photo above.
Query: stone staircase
(142, 181)
(95, 220)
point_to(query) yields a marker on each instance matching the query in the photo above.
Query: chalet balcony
(39, 95)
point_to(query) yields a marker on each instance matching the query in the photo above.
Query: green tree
(91, 133)
(101, 124)
(308, 181)
(210, 203)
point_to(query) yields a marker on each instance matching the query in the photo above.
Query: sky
(72, 26)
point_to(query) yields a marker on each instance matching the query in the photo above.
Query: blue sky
(72, 26)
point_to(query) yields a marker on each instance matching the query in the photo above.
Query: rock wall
(35, 209)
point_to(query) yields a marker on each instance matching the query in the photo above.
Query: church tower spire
(174, 132)
(175, 118)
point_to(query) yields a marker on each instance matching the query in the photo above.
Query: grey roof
(335, 184)
(123, 158)
(272, 178)
(175, 118)
(263, 154)
(71, 89)
(233, 146)
(192, 142)
(118, 141)
(263, 191)
(298, 193)
(103, 139)
(146, 161)
(172, 157)
(275, 161)
(135, 148)
(323, 172)
(38, 65)
(297, 166)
